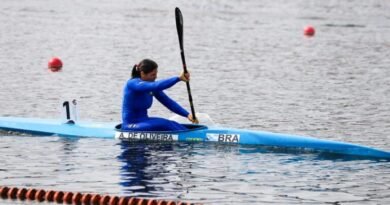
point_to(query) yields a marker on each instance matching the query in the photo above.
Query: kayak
(195, 133)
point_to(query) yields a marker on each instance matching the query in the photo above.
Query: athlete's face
(149, 76)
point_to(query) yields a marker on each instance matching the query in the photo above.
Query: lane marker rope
(77, 198)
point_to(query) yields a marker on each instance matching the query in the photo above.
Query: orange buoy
(95, 199)
(114, 200)
(22, 193)
(59, 196)
(152, 202)
(162, 202)
(3, 192)
(68, 196)
(49, 196)
(76, 199)
(40, 195)
(55, 64)
(12, 193)
(31, 194)
(86, 199)
(104, 199)
(171, 203)
(123, 200)
(309, 31)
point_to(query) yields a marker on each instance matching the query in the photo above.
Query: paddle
(179, 26)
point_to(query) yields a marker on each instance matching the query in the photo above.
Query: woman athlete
(138, 98)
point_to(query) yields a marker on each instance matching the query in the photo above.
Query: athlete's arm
(145, 86)
(170, 104)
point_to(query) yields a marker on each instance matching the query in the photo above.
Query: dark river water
(251, 68)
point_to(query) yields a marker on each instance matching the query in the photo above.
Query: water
(251, 68)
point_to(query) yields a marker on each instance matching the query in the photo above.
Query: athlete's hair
(146, 65)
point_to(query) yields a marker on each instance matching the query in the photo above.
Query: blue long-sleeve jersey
(138, 98)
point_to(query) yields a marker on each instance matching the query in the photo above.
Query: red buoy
(55, 64)
(309, 31)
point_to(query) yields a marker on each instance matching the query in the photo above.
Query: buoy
(309, 31)
(55, 64)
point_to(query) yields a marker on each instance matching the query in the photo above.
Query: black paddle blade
(179, 26)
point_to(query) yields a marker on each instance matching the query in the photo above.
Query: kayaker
(138, 98)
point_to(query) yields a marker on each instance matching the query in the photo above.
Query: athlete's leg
(155, 124)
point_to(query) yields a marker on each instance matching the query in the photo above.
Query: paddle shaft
(179, 26)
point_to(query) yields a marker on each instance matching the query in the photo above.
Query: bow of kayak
(39, 126)
(311, 143)
(197, 133)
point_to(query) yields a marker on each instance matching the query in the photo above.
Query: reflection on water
(196, 172)
(143, 166)
(192, 170)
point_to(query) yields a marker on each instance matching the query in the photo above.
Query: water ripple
(251, 68)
